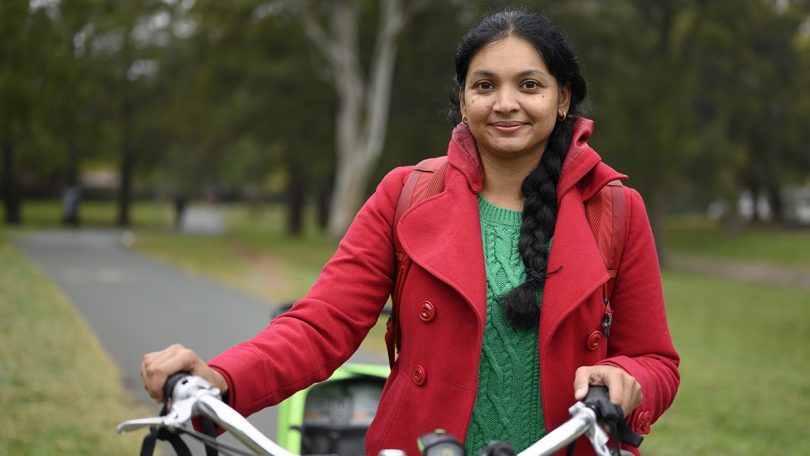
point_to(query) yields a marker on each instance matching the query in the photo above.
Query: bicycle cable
(212, 442)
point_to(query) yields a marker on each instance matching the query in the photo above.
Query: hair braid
(539, 217)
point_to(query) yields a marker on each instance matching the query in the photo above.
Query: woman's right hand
(158, 366)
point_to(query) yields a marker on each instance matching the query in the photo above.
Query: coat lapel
(578, 262)
(442, 235)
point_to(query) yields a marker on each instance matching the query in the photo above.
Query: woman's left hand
(624, 389)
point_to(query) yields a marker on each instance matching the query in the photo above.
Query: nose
(506, 101)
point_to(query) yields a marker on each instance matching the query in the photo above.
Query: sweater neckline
(498, 215)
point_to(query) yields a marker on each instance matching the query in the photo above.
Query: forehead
(507, 55)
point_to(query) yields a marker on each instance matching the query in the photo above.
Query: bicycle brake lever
(134, 425)
(185, 393)
(597, 436)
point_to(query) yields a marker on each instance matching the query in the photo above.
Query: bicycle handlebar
(191, 396)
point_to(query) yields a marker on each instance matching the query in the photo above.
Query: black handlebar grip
(440, 443)
(168, 387)
(598, 398)
(497, 449)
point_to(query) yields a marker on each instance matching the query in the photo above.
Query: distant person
(180, 204)
(71, 199)
(502, 316)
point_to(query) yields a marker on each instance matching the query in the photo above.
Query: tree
(23, 33)
(363, 95)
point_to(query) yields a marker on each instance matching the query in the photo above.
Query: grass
(760, 244)
(745, 362)
(254, 254)
(59, 392)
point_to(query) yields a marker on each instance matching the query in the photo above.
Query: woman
(505, 260)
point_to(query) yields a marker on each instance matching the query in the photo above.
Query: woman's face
(511, 100)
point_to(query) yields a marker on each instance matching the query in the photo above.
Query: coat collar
(442, 234)
(580, 162)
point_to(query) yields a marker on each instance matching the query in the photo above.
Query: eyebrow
(524, 73)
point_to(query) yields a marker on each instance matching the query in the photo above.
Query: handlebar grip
(438, 443)
(596, 394)
(171, 382)
(598, 398)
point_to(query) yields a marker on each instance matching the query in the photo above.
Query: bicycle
(191, 396)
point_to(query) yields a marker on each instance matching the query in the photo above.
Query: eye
(484, 85)
(530, 84)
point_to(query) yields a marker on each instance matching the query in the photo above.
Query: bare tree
(363, 94)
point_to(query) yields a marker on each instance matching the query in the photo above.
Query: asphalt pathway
(136, 304)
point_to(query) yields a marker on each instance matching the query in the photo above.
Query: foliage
(701, 100)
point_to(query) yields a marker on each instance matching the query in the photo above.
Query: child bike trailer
(332, 417)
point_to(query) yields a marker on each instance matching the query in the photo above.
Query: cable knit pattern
(507, 406)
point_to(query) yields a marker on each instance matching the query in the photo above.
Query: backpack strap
(426, 179)
(607, 216)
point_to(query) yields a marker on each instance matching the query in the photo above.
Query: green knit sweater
(507, 406)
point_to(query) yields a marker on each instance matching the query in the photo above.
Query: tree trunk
(756, 217)
(323, 208)
(11, 193)
(296, 193)
(777, 204)
(126, 165)
(656, 215)
(363, 105)
(350, 186)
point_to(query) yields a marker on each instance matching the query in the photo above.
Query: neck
(502, 180)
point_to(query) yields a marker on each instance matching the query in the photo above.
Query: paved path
(136, 304)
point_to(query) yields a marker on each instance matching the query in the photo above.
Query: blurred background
(237, 140)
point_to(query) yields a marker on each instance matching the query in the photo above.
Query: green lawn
(59, 391)
(745, 363)
(760, 244)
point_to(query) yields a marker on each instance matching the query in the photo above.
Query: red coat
(434, 381)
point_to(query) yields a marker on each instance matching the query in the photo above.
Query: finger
(582, 378)
(158, 366)
(633, 393)
(614, 380)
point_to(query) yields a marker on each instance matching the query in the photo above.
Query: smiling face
(511, 101)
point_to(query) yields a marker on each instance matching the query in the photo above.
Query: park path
(136, 304)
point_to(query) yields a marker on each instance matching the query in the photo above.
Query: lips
(507, 126)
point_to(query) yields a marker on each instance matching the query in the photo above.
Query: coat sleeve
(640, 341)
(322, 330)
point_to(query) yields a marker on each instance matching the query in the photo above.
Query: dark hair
(540, 186)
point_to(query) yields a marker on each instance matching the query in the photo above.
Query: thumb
(582, 379)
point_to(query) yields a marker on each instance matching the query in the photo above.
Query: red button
(644, 421)
(418, 375)
(427, 312)
(594, 340)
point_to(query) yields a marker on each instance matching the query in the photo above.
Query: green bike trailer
(332, 417)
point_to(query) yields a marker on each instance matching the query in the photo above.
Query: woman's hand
(158, 366)
(624, 389)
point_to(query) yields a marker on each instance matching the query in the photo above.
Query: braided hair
(539, 188)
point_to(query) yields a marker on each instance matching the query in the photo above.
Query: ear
(462, 105)
(565, 98)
